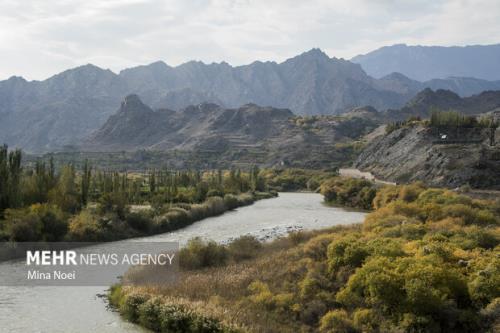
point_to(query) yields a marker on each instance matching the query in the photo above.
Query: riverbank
(355, 173)
(148, 222)
(48, 310)
(425, 260)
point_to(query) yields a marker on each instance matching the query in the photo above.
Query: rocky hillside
(249, 134)
(433, 62)
(423, 103)
(416, 152)
(49, 115)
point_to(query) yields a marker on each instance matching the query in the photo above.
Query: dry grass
(223, 292)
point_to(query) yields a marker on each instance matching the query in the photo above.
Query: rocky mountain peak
(314, 55)
(430, 96)
(159, 64)
(396, 76)
(133, 105)
(15, 78)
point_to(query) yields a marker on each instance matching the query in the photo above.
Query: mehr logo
(67, 258)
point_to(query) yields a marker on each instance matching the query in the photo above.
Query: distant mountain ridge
(422, 104)
(61, 111)
(425, 63)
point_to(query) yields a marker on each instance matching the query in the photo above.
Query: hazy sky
(39, 38)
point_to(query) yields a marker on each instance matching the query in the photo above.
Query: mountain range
(263, 135)
(433, 62)
(248, 134)
(65, 109)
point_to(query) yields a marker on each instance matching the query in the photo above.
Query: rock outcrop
(437, 158)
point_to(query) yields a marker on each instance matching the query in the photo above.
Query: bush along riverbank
(90, 225)
(425, 260)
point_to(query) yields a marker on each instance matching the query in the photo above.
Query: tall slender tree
(85, 182)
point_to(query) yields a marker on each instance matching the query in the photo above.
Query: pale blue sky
(41, 38)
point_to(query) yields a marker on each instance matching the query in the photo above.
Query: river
(81, 309)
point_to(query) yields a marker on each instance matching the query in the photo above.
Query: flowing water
(82, 309)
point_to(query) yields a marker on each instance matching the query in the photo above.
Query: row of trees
(446, 119)
(40, 201)
(72, 189)
(456, 119)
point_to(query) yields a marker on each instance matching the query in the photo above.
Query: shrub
(215, 206)
(376, 284)
(38, 222)
(261, 294)
(113, 203)
(367, 320)
(245, 199)
(476, 237)
(175, 218)
(316, 248)
(85, 227)
(350, 192)
(346, 251)
(385, 247)
(54, 223)
(469, 214)
(410, 193)
(22, 225)
(336, 321)
(485, 283)
(243, 248)
(230, 201)
(385, 195)
(149, 314)
(131, 304)
(139, 221)
(312, 184)
(175, 319)
(116, 296)
(215, 193)
(200, 254)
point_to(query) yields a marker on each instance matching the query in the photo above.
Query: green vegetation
(45, 203)
(199, 254)
(425, 260)
(445, 119)
(349, 126)
(457, 119)
(391, 127)
(296, 179)
(164, 314)
(350, 192)
(161, 314)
